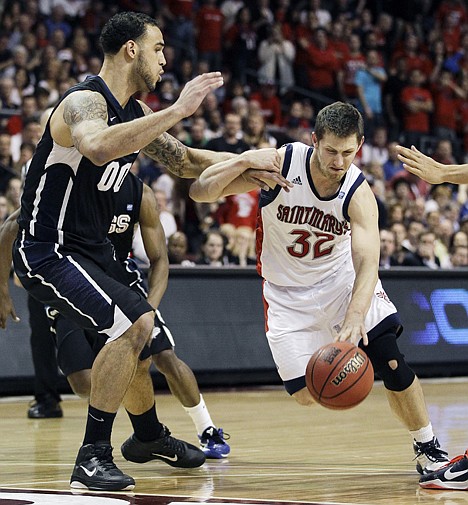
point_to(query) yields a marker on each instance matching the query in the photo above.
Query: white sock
(200, 416)
(423, 434)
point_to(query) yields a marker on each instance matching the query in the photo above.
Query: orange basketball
(339, 375)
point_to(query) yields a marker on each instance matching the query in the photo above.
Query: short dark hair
(122, 27)
(341, 119)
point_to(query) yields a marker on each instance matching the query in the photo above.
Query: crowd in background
(403, 64)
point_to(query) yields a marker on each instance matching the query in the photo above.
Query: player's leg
(46, 376)
(152, 440)
(404, 391)
(183, 385)
(93, 297)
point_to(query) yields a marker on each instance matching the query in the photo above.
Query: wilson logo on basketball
(352, 366)
(331, 355)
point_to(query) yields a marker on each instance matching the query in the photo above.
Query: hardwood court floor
(280, 451)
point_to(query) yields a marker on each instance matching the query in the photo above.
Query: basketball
(339, 375)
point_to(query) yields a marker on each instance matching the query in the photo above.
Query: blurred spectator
(375, 148)
(197, 137)
(230, 8)
(314, 7)
(231, 140)
(369, 81)
(387, 248)
(6, 162)
(213, 250)
(414, 56)
(352, 62)
(3, 208)
(392, 164)
(255, 133)
(414, 230)
(424, 255)
(239, 210)
(417, 105)
(240, 43)
(322, 67)
(442, 243)
(30, 134)
(443, 152)
(459, 257)
(276, 57)
(399, 231)
(209, 23)
(446, 95)
(177, 250)
(13, 194)
(397, 80)
(242, 247)
(269, 103)
(57, 21)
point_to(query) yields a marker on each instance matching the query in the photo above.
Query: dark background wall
(216, 318)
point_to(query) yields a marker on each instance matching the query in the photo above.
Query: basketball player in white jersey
(318, 253)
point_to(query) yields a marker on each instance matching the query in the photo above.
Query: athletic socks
(200, 416)
(146, 426)
(98, 426)
(423, 435)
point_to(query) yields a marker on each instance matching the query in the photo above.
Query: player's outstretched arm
(81, 121)
(227, 177)
(154, 242)
(8, 232)
(365, 247)
(430, 170)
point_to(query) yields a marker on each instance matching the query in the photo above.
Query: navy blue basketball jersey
(126, 216)
(69, 201)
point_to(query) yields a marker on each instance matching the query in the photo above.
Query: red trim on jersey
(265, 307)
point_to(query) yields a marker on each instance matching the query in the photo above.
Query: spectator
(209, 23)
(376, 149)
(397, 80)
(231, 140)
(413, 55)
(399, 231)
(369, 81)
(13, 194)
(417, 105)
(239, 210)
(240, 43)
(323, 67)
(255, 133)
(276, 57)
(414, 230)
(6, 162)
(177, 246)
(424, 255)
(197, 138)
(459, 257)
(392, 164)
(387, 248)
(269, 103)
(353, 61)
(242, 247)
(213, 250)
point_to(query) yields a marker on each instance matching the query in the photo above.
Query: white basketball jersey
(301, 237)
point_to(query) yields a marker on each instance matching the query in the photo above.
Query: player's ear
(314, 139)
(130, 48)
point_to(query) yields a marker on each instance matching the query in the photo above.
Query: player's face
(333, 155)
(150, 59)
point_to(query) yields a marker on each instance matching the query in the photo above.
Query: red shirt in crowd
(209, 22)
(417, 121)
(445, 105)
(239, 210)
(180, 8)
(322, 67)
(270, 105)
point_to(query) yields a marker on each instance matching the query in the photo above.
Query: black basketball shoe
(172, 451)
(95, 469)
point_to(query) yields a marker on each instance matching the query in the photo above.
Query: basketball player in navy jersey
(318, 252)
(62, 255)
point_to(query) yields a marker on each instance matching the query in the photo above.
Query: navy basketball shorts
(95, 297)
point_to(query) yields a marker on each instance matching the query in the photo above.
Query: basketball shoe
(430, 457)
(172, 451)
(213, 443)
(454, 475)
(95, 469)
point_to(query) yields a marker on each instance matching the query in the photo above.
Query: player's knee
(140, 331)
(80, 382)
(389, 363)
(303, 397)
(166, 361)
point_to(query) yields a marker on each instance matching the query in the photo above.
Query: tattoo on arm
(84, 107)
(170, 152)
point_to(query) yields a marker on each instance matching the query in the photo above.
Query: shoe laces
(431, 450)
(172, 444)
(217, 436)
(103, 454)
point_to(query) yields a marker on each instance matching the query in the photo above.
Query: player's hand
(195, 91)
(421, 165)
(7, 309)
(266, 180)
(353, 330)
